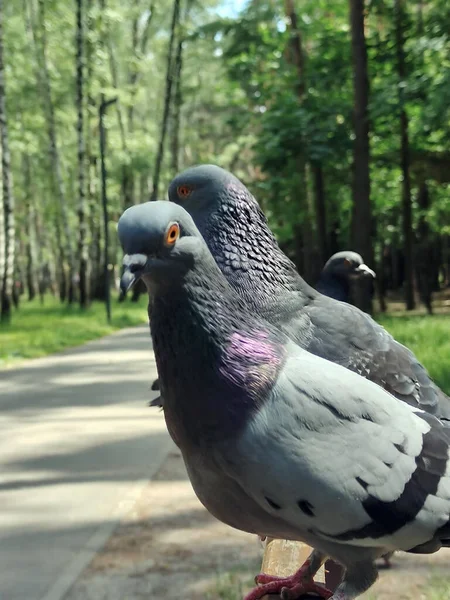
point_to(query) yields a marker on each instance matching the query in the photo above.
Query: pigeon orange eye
(172, 234)
(183, 191)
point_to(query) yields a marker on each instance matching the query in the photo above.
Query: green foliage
(44, 329)
(240, 109)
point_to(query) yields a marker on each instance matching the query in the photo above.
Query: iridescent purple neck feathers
(252, 360)
(216, 361)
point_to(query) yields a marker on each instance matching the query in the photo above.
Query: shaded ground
(170, 548)
(78, 443)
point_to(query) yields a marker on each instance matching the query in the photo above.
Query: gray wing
(345, 335)
(332, 453)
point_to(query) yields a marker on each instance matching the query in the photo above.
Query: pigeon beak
(365, 271)
(127, 280)
(134, 266)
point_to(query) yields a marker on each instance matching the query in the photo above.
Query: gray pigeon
(279, 442)
(339, 272)
(240, 240)
(335, 282)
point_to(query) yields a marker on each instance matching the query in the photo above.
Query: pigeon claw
(288, 588)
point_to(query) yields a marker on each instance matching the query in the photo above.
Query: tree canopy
(264, 88)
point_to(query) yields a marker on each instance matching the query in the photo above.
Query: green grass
(436, 588)
(428, 337)
(37, 330)
(233, 584)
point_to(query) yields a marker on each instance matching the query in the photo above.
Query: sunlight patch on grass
(37, 330)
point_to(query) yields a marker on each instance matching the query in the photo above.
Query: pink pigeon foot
(289, 588)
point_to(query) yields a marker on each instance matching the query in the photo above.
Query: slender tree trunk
(321, 225)
(178, 95)
(96, 286)
(35, 49)
(167, 100)
(139, 48)
(40, 37)
(404, 158)
(177, 102)
(297, 58)
(82, 208)
(424, 256)
(2, 212)
(361, 217)
(297, 54)
(102, 109)
(8, 196)
(30, 246)
(127, 183)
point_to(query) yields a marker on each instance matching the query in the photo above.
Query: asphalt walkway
(77, 444)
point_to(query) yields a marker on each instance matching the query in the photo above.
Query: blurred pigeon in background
(339, 272)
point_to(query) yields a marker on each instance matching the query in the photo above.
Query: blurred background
(335, 114)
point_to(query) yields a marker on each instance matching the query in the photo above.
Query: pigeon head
(237, 234)
(204, 189)
(347, 265)
(160, 241)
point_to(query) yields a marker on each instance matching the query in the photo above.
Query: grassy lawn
(428, 337)
(38, 330)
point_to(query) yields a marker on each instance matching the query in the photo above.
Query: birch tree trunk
(30, 246)
(82, 208)
(40, 37)
(8, 196)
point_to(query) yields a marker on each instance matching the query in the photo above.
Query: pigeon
(339, 271)
(334, 282)
(277, 441)
(240, 240)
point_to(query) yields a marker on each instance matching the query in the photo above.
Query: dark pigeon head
(339, 272)
(347, 265)
(237, 234)
(160, 241)
(205, 189)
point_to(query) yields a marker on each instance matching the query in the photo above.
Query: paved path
(77, 444)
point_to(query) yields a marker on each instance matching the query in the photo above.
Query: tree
(31, 229)
(178, 97)
(362, 214)
(404, 158)
(297, 58)
(167, 100)
(6, 263)
(107, 267)
(274, 105)
(82, 207)
(40, 39)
